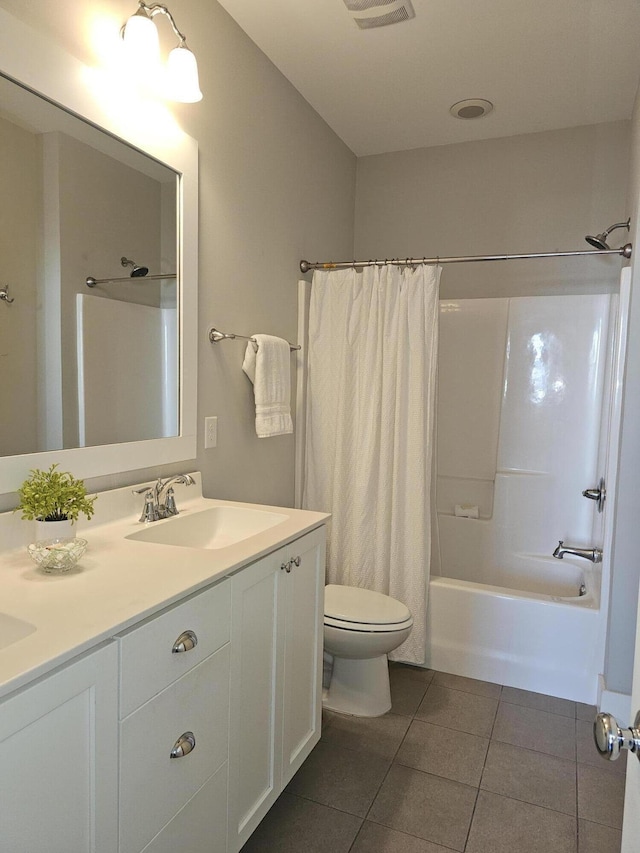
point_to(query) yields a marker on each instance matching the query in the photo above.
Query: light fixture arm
(158, 9)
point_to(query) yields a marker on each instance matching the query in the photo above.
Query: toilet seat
(353, 609)
(367, 627)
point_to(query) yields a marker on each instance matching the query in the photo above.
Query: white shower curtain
(370, 422)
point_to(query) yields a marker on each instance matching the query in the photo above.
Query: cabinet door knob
(185, 744)
(296, 561)
(286, 567)
(185, 642)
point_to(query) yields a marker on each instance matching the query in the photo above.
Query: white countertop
(117, 582)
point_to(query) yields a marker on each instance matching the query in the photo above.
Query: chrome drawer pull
(286, 567)
(185, 744)
(296, 561)
(185, 642)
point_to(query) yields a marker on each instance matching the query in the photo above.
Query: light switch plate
(210, 432)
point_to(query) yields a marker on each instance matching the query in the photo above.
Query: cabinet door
(58, 774)
(201, 825)
(255, 755)
(303, 590)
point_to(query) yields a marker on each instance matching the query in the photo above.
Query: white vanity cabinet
(179, 732)
(174, 730)
(59, 767)
(276, 668)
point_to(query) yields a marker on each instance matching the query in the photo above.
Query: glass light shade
(182, 76)
(141, 39)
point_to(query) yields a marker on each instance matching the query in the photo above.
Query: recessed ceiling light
(471, 108)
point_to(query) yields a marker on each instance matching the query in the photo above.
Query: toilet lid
(352, 604)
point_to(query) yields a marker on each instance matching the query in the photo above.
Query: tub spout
(592, 554)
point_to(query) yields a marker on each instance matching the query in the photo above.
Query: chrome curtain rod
(136, 279)
(305, 266)
(215, 336)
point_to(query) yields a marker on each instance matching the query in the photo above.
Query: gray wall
(276, 185)
(538, 192)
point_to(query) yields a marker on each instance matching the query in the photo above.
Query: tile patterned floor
(457, 765)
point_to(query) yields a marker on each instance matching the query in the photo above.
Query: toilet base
(359, 687)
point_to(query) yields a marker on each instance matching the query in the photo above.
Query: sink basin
(217, 527)
(12, 630)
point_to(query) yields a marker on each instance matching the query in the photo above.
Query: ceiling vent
(377, 13)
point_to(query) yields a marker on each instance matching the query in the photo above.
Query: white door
(631, 820)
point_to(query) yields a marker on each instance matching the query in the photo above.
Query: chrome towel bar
(215, 336)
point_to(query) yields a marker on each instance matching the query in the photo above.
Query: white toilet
(360, 628)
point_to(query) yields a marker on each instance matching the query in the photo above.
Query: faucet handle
(141, 490)
(598, 494)
(149, 510)
(170, 502)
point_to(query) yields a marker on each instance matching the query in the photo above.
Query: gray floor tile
(586, 712)
(537, 730)
(503, 825)
(340, 778)
(595, 838)
(432, 749)
(427, 806)
(326, 719)
(534, 777)
(295, 824)
(379, 736)
(407, 689)
(453, 709)
(374, 838)
(588, 754)
(540, 701)
(467, 685)
(418, 673)
(600, 795)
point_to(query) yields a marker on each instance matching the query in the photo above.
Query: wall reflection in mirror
(83, 366)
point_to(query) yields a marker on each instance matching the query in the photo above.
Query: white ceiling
(545, 64)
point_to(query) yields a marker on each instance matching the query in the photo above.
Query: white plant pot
(54, 530)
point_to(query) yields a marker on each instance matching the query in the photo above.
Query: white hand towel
(270, 371)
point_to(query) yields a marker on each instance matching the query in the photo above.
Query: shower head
(600, 240)
(136, 271)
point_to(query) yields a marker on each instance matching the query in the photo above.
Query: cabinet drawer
(147, 662)
(154, 786)
(201, 825)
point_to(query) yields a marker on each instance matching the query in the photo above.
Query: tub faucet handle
(598, 494)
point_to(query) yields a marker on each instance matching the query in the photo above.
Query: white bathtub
(519, 637)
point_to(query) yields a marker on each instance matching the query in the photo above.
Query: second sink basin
(12, 630)
(217, 527)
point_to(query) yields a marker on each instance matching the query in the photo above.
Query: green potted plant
(55, 500)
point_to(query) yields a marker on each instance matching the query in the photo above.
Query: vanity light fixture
(141, 40)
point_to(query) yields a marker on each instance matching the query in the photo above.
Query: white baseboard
(616, 704)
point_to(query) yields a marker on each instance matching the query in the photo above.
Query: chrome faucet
(593, 554)
(154, 507)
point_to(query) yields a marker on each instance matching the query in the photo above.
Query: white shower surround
(503, 610)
